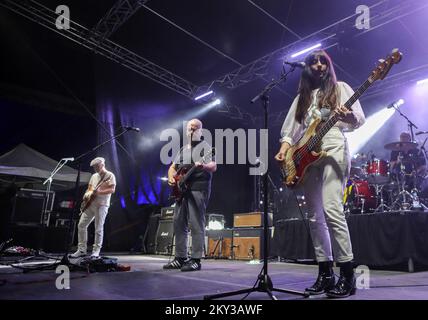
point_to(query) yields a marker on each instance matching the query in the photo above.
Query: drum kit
(376, 185)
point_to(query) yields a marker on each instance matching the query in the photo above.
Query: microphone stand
(264, 282)
(68, 239)
(410, 124)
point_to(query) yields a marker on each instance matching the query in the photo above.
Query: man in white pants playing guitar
(100, 188)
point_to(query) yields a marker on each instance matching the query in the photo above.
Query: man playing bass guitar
(191, 207)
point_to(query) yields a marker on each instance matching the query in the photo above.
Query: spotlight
(358, 138)
(163, 178)
(204, 95)
(216, 102)
(306, 50)
(422, 82)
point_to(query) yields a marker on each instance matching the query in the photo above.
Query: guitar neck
(333, 120)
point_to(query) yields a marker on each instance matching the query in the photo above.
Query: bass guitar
(307, 150)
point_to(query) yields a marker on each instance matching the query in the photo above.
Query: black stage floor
(148, 281)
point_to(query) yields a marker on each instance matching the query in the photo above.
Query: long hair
(327, 94)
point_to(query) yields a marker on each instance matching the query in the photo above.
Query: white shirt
(292, 131)
(102, 199)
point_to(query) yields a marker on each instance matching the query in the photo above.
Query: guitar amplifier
(28, 206)
(167, 213)
(252, 219)
(248, 243)
(219, 243)
(165, 237)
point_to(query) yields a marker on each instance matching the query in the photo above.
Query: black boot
(325, 280)
(345, 286)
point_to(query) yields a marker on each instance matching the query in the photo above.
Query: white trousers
(99, 213)
(324, 185)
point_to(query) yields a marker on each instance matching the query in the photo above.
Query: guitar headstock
(385, 65)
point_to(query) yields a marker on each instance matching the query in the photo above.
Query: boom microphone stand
(264, 282)
(65, 259)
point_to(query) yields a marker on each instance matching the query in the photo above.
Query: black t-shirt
(200, 179)
(412, 159)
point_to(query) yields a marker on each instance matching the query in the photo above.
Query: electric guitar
(307, 150)
(88, 201)
(182, 176)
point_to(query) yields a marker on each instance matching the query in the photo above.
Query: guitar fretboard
(316, 139)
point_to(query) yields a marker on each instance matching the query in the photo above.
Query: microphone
(68, 159)
(298, 64)
(421, 132)
(132, 128)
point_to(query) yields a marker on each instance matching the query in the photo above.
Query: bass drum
(359, 197)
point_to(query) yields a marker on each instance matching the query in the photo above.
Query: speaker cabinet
(252, 219)
(248, 243)
(219, 243)
(164, 237)
(28, 206)
(149, 242)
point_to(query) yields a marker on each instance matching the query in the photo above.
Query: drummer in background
(409, 160)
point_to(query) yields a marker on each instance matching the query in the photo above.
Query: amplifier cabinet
(248, 243)
(252, 219)
(219, 243)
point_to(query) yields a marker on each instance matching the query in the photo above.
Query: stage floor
(148, 281)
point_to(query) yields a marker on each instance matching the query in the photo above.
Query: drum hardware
(404, 197)
(382, 205)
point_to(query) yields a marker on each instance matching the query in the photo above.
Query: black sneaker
(177, 263)
(191, 265)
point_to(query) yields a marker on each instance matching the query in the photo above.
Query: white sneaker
(95, 254)
(78, 254)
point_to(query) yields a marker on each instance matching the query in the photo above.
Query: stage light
(358, 138)
(163, 178)
(204, 95)
(306, 50)
(422, 82)
(216, 102)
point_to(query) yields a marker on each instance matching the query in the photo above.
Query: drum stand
(402, 194)
(382, 205)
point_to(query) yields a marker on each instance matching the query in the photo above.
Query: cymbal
(401, 146)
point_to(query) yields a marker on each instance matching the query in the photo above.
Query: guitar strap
(101, 181)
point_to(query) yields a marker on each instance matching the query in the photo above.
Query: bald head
(194, 129)
(405, 137)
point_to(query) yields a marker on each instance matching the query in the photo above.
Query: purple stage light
(204, 95)
(422, 82)
(306, 50)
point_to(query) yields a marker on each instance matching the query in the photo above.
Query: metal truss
(343, 30)
(99, 45)
(121, 11)
(394, 82)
